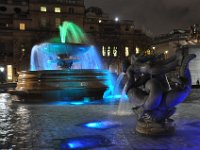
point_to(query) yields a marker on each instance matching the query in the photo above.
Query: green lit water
(71, 33)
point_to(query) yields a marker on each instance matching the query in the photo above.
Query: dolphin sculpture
(148, 88)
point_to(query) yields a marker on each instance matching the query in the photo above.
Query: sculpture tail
(174, 97)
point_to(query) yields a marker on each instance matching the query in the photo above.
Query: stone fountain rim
(67, 70)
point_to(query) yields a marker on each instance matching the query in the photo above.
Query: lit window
(115, 51)
(148, 52)
(108, 51)
(58, 22)
(9, 72)
(57, 10)
(137, 50)
(126, 51)
(22, 26)
(43, 9)
(103, 51)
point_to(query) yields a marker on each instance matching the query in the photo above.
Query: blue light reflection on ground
(87, 101)
(194, 124)
(76, 103)
(85, 142)
(116, 97)
(63, 103)
(101, 124)
(75, 144)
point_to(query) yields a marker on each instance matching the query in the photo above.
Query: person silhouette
(197, 82)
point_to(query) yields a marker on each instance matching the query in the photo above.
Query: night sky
(156, 16)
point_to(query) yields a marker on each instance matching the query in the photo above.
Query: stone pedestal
(156, 129)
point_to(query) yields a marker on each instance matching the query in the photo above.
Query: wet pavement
(48, 126)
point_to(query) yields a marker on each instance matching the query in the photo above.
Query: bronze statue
(153, 95)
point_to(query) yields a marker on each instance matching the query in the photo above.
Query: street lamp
(116, 19)
(2, 69)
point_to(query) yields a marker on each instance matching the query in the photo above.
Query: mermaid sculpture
(154, 97)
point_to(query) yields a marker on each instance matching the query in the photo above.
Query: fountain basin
(62, 84)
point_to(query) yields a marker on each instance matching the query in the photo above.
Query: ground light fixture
(102, 125)
(85, 142)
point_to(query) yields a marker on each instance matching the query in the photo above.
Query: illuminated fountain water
(65, 68)
(47, 56)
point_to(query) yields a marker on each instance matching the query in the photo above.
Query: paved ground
(47, 126)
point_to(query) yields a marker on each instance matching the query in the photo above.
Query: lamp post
(2, 74)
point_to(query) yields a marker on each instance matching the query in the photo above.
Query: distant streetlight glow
(166, 52)
(100, 20)
(116, 19)
(2, 69)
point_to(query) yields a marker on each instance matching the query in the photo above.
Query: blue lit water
(45, 56)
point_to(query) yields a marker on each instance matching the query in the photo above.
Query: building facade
(24, 23)
(170, 42)
(184, 40)
(115, 39)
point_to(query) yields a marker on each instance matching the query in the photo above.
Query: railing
(73, 2)
(170, 38)
(14, 2)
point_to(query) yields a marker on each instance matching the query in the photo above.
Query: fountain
(67, 68)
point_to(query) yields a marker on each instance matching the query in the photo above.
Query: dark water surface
(47, 126)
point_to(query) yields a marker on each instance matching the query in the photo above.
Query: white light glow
(2, 69)
(116, 19)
